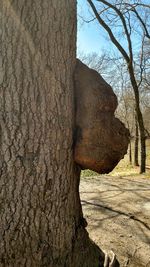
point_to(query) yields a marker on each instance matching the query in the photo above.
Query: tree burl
(101, 139)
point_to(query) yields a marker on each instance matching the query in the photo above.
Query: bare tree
(124, 17)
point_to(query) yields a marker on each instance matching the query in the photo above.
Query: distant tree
(110, 15)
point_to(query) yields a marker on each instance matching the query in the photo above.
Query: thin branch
(135, 4)
(94, 18)
(87, 21)
(147, 132)
(129, 21)
(141, 62)
(123, 23)
(111, 35)
(142, 22)
(138, 4)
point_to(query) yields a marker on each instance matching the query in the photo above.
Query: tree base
(85, 252)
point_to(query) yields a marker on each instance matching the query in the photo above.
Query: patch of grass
(124, 168)
(88, 173)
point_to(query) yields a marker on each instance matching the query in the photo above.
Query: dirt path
(117, 210)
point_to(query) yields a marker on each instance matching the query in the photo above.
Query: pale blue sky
(91, 37)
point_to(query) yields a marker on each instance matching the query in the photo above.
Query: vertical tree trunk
(130, 152)
(142, 141)
(136, 144)
(41, 217)
(143, 151)
(139, 117)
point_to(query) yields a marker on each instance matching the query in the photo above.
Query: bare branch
(111, 35)
(139, 4)
(142, 22)
(94, 18)
(87, 21)
(123, 23)
(141, 61)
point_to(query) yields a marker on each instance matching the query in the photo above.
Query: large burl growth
(101, 139)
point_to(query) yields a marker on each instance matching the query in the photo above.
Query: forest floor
(117, 210)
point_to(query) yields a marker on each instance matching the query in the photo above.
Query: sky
(90, 37)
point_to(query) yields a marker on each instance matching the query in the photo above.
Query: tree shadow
(107, 209)
(119, 212)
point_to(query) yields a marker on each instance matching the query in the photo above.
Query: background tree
(109, 15)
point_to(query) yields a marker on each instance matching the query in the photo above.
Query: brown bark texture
(101, 139)
(41, 221)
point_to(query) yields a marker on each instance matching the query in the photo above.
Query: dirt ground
(117, 210)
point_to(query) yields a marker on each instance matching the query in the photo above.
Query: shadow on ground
(117, 210)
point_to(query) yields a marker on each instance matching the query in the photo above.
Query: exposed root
(111, 260)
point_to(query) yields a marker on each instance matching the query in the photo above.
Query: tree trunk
(41, 217)
(143, 150)
(139, 118)
(130, 152)
(136, 144)
(142, 140)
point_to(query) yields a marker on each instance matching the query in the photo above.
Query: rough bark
(136, 144)
(101, 139)
(40, 212)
